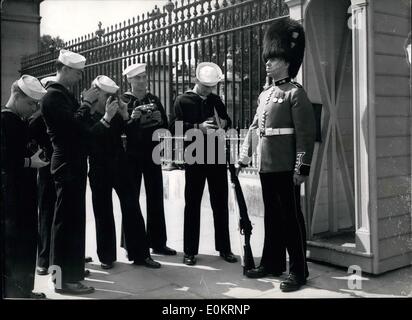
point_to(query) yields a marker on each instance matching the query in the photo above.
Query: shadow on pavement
(211, 278)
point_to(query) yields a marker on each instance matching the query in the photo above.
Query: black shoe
(228, 256)
(88, 259)
(74, 288)
(148, 262)
(261, 272)
(165, 251)
(190, 260)
(86, 272)
(41, 271)
(107, 265)
(37, 295)
(292, 283)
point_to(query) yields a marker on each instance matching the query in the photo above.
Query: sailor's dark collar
(282, 81)
(195, 92)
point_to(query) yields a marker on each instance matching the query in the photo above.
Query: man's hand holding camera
(209, 124)
(112, 105)
(136, 114)
(148, 115)
(157, 116)
(36, 162)
(123, 110)
(90, 96)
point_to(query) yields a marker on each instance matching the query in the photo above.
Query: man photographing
(18, 189)
(108, 170)
(148, 115)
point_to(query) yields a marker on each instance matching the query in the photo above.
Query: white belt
(278, 131)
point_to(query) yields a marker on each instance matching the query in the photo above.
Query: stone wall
(20, 33)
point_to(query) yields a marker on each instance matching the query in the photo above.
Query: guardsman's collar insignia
(282, 81)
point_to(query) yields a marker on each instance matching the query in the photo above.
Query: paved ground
(213, 278)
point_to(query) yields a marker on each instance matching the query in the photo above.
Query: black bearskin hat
(285, 39)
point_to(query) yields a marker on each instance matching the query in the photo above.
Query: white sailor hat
(134, 70)
(72, 59)
(44, 81)
(31, 86)
(106, 84)
(209, 73)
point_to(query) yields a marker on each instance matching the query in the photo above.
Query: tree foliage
(47, 42)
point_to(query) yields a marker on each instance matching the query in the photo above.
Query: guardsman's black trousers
(284, 224)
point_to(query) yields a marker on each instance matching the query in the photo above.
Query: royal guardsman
(147, 115)
(283, 131)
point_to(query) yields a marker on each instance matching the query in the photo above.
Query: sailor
(107, 171)
(46, 193)
(147, 115)
(18, 189)
(203, 110)
(66, 122)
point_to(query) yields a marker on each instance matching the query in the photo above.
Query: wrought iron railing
(172, 41)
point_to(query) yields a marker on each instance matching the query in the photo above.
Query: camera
(146, 108)
(43, 156)
(212, 120)
(146, 119)
(114, 97)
